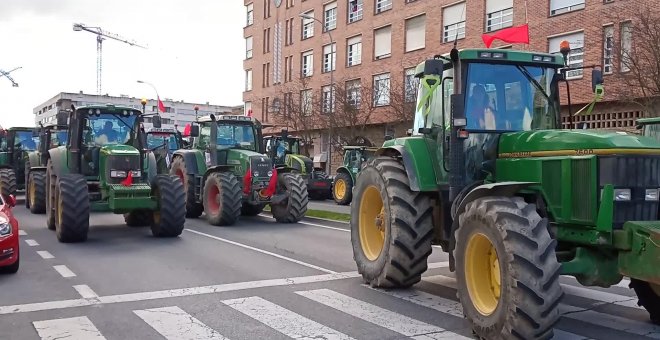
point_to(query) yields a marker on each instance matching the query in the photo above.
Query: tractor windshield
(25, 141)
(58, 138)
(108, 128)
(652, 130)
(230, 136)
(157, 140)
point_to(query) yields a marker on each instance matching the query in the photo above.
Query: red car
(9, 259)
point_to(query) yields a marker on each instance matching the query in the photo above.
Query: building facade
(377, 43)
(177, 113)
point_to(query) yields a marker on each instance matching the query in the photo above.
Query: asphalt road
(255, 280)
(329, 205)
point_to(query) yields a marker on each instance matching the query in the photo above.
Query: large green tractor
(15, 143)
(285, 150)
(515, 201)
(226, 174)
(354, 159)
(50, 137)
(106, 166)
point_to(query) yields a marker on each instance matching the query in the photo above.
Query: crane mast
(100, 36)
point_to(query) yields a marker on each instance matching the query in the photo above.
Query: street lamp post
(333, 51)
(152, 86)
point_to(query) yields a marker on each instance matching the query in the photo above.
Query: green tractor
(226, 174)
(516, 202)
(106, 166)
(163, 143)
(15, 144)
(50, 137)
(285, 150)
(354, 159)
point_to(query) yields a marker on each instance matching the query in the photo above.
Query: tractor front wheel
(178, 168)
(506, 269)
(391, 227)
(36, 192)
(648, 296)
(72, 208)
(51, 189)
(342, 189)
(138, 218)
(7, 182)
(294, 207)
(222, 198)
(170, 216)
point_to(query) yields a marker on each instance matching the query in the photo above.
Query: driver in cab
(107, 134)
(480, 115)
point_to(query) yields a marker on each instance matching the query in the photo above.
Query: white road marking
(79, 328)
(435, 265)
(85, 292)
(309, 265)
(283, 320)
(45, 255)
(379, 316)
(31, 242)
(173, 323)
(316, 224)
(22, 232)
(64, 271)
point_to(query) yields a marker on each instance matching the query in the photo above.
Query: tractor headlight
(270, 173)
(136, 173)
(255, 174)
(651, 195)
(622, 194)
(5, 228)
(117, 173)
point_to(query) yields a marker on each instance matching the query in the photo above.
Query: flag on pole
(161, 106)
(248, 113)
(517, 34)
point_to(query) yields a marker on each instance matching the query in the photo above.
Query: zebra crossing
(174, 323)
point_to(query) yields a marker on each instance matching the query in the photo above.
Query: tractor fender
(483, 190)
(344, 170)
(32, 158)
(58, 157)
(217, 168)
(190, 158)
(408, 164)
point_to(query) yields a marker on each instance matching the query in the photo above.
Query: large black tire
(51, 181)
(26, 172)
(251, 210)
(169, 219)
(12, 268)
(293, 208)
(138, 218)
(648, 297)
(178, 168)
(222, 198)
(35, 192)
(523, 266)
(346, 187)
(7, 182)
(390, 249)
(72, 208)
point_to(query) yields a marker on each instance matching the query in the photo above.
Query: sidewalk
(329, 205)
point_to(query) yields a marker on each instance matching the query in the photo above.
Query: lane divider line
(85, 292)
(45, 255)
(314, 224)
(64, 271)
(22, 232)
(31, 242)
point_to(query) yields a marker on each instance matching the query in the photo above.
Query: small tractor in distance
(285, 150)
(516, 202)
(15, 143)
(225, 174)
(163, 143)
(106, 166)
(50, 136)
(354, 159)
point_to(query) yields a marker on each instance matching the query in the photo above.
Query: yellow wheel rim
(372, 223)
(340, 189)
(33, 193)
(482, 273)
(60, 209)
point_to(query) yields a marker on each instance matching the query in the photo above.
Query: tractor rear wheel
(649, 297)
(292, 209)
(51, 189)
(138, 218)
(194, 209)
(222, 198)
(7, 182)
(72, 209)
(36, 192)
(251, 209)
(169, 218)
(342, 189)
(391, 228)
(506, 269)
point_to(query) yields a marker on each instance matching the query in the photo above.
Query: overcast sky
(195, 51)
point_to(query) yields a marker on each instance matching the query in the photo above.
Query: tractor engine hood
(574, 142)
(119, 150)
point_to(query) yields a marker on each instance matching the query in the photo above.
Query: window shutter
(498, 5)
(383, 42)
(453, 14)
(415, 33)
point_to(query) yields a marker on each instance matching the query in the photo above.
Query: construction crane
(6, 74)
(100, 36)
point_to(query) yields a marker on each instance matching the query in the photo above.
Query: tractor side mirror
(62, 118)
(156, 121)
(433, 66)
(194, 131)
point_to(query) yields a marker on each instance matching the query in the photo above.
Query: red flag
(272, 185)
(247, 181)
(161, 106)
(249, 113)
(186, 130)
(518, 34)
(129, 180)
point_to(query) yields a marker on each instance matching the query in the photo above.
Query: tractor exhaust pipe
(458, 133)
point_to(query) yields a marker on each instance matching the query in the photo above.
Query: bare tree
(403, 97)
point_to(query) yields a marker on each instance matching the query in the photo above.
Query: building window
(354, 51)
(290, 3)
(382, 89)
(266, 9)
(329, 57)
(411, 83)
(626, 46)
(330, 16)
(265, 75)
(499, 14)
(608, 45)
(248, 47)
(382, 42)
(264, 108)
(383, 5)
(248, 80)
(266, 40)
(353, 93)
(454, 22)
(575, 56)
(328, 102)
(306, 97)
(288, 62)
(564, 6)
(250, 14)
(308, 25)
(354, 10)
(415, 33)
(288, 32)
(308, 63)
(247, 109)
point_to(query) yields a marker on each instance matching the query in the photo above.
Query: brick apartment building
(378, 42)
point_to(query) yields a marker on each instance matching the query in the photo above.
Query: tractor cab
(163, 143)
(650, 127)
(15, 144)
